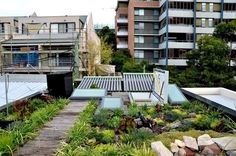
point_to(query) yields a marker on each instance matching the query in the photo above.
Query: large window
(180, 20)
(62, 27)
(203, 6)
(229, 6)
(203, 22)
(1, 27)
(23, 59)
(211, 7)
(139, 54)
(138, 39)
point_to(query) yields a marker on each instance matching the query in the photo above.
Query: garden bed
(111, 132)
(29, 117)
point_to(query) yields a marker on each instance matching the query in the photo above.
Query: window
(62, 27)
(211, 6)
(203, 22)
(156, 26)
(138, 39)
(139, 26)
(203, 6)
(1, 27)
(210, 22)
(139, 12)
(155, 12)
(139, 54)
(155, 40)
(155, 54)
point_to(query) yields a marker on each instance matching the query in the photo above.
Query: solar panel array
(138, 82)
(135, 82)
(111, 83)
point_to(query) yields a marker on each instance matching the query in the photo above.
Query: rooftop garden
(118, 132)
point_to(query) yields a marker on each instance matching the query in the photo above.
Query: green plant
(143, 150)
(230, 123)
(160, 122)
(118, 112)
(101, 118)
(108, 136)
(36, 104)
(202, 122)
(137, 136)
(105, 150)
(152, 111)
(93, 86)
(114, 122)
(133, 110)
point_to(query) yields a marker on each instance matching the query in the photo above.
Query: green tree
(132, 66)
(106, 53)
(226, 32)
(119, 58)
(207, 64)
(108, 36)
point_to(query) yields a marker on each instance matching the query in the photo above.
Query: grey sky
(103, 10)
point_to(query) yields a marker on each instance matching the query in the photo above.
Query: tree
(132, 66)
(226, 32)
(106, 53)
(119, 58)
(108, 36)
(93, 56)
(207, 64)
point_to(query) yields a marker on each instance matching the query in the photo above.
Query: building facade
(163, 31)
(45, 44)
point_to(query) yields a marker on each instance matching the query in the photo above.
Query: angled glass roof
(175, 95)
(80, 94)
(111, 103)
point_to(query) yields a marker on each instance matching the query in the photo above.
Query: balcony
(122, 32)
(146, 45)
(180, 28)
(122, 45)
(229, 14)
(72, 35)
(148, 32)
(146, 18)
(122, 20)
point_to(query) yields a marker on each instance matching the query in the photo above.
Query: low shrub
(137, 136)
(134, 110)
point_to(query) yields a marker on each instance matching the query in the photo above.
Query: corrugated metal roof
(138, 82)
(20, 87)
(111, 83)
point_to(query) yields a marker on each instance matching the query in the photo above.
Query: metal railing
(154, 17)
(146, 45)
(146, 31)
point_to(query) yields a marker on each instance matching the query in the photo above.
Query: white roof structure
(221, 98)
(21, 86)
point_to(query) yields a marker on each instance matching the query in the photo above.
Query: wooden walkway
(53, 132)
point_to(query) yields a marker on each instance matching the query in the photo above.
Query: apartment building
(46, 44)
(163, 31)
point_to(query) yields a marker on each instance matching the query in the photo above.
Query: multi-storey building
(163, 31)
(44, 44)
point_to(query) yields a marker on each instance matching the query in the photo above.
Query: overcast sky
(103, 10)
